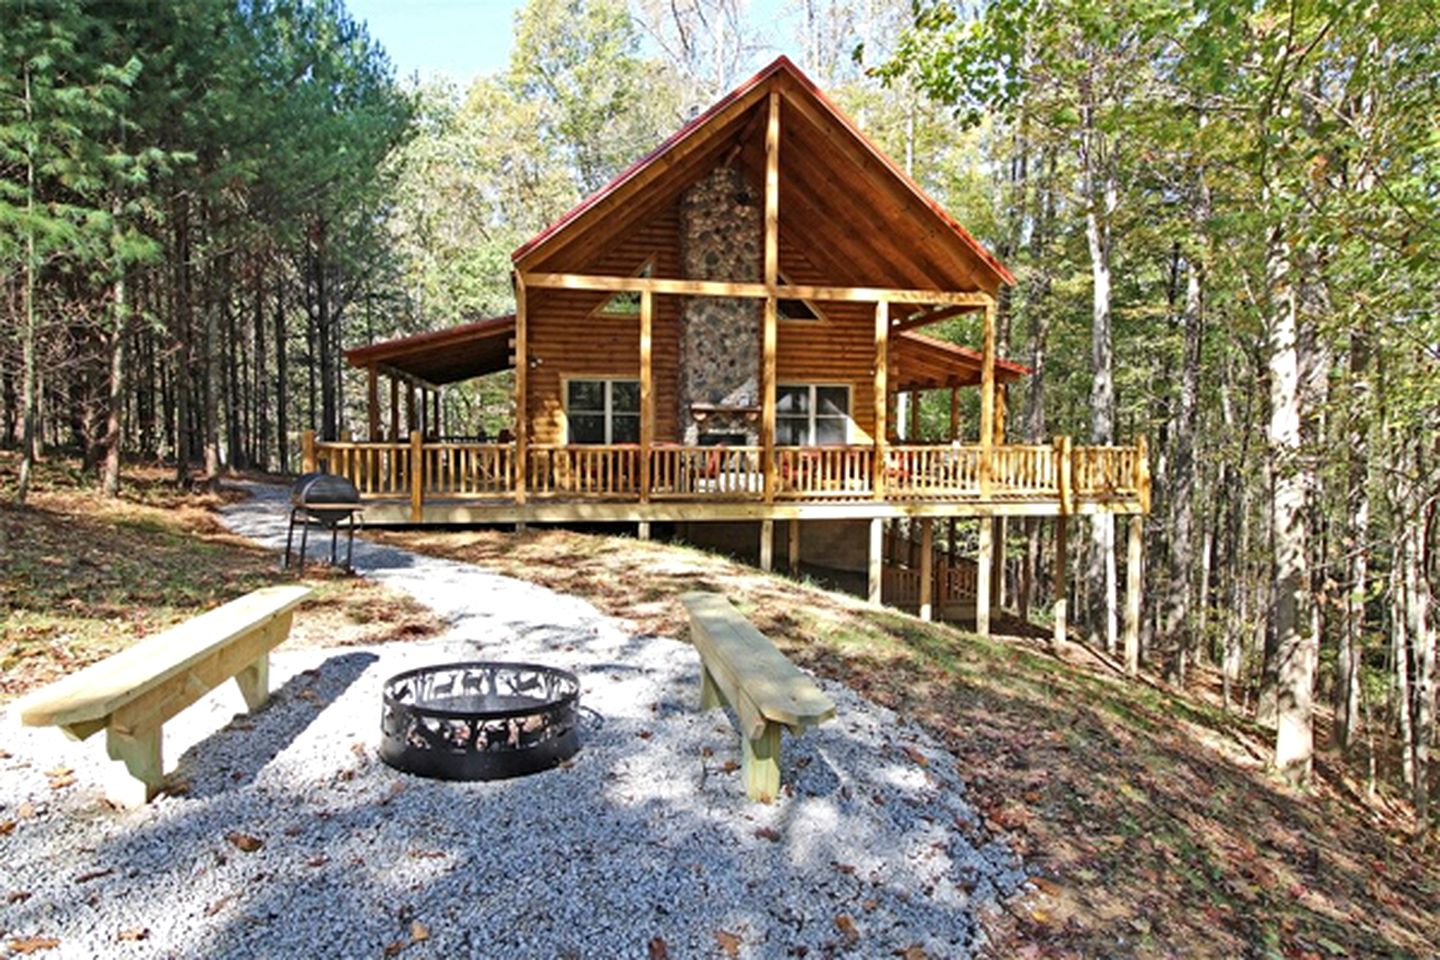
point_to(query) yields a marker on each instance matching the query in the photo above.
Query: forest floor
(1145, 815)
(82, 576)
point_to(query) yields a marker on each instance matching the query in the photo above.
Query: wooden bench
(131, 694)
(741, 668)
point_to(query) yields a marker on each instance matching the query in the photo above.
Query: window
(603, 411)
(811, 415)
(626, 303)
(795, 309)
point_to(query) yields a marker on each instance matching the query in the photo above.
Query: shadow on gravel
(252, 740)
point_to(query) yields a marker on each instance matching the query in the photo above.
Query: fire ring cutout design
(480, 721)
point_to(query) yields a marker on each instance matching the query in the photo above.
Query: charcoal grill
(327, 501)
(480, 720)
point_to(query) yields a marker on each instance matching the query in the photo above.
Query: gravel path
(647, 835)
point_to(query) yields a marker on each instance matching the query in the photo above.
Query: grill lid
(323, 488)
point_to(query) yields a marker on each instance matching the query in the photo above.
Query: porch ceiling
(444, 356)
(918, 362)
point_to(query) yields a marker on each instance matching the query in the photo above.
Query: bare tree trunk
(1102, 197)
(1295, 647)
(282, 373)
(1176, 592)
(114, 419)
(1422, 639)
(29, 401)
(1356, 545)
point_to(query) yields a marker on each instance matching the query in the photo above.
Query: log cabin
(720, 338)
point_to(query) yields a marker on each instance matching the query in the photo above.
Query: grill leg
(289, 539)
(304, 537)
(334, 533)
(350, 548)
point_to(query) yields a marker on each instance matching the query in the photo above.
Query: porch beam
(754, 291)
(407, 377)
(932, 316)
(772, 279)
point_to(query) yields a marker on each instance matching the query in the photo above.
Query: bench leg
(138, 772)
(761, 764)
(254, 682)
(710, 695)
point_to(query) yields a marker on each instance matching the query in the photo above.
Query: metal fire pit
(479, 721)
(327, 501)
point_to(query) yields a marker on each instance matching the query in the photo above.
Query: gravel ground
(647, 834)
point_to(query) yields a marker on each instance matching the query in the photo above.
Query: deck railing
(706, 473)
(912, 472)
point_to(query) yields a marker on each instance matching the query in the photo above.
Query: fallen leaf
(33, 944)
(427, 854)
(139, 933)
(60, 783)
(870, 905)
(394, 947)
(318, 861)
(847, 929)
(25, 811)
(729, 943)
(644, 734)
(59, 772)
(765, 833)
(17, 896)
(731, 766)
(94, 875)
(244, 842)
(8, 827)
(706, 752)
(658, 949)
(395, 790)
(216, 907)
(418, 931)
(916, 756)
(913, 952)
(5, 754)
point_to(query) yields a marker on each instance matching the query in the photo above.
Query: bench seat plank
(83, 700)
(742, 660)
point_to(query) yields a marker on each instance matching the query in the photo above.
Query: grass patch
(1145, 813)
(84, 576)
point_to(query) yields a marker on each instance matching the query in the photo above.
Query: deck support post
(522, 379)
(982, 577)
(876, 558)
(372, 402)
(927, 568)
(792, 544)
(1132, 594)
(882, 417)
(1062, 586)
(997, 564)
(642, 530)
(767, 545)
(772, 278)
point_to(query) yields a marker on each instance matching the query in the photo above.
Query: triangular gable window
(795, 309)
(626, 303)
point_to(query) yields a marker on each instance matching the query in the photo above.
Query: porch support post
(982, 578)
(954, 414)
(987, 401)
(394, 409)
(409, 408)
(772, 278)
(876, 558)
(1132, 594)
(913, 434)
(882, 419)
(642, 530)
(522, 379)
(997, 564)
(792, 544)
(647, 394)
(767, 545)
(927, 567)
(372, 402)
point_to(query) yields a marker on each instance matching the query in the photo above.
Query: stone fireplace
(720, 238)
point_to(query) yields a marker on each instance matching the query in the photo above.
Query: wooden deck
(420, 482)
